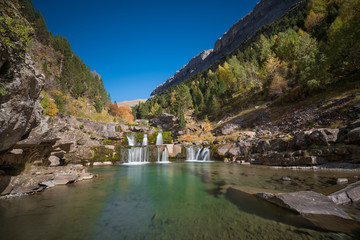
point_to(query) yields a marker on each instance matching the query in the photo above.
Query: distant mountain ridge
(264, 13)
(131, 103)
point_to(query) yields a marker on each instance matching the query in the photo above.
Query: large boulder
(347, 195)
(306, 203)
(324, 136)
(354, 135)
(20, 109)
(315, 207)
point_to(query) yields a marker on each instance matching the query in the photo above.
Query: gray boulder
(62, 179)
(306, 203)
(347, 195)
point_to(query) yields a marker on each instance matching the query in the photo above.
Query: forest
(301, 54)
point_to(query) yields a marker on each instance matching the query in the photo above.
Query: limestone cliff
(20, 108)
(264, 13)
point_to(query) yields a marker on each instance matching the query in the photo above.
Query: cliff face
(264, 13)
(20, 108)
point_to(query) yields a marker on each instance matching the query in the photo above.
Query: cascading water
(145, 140)
(137, 154)
(202, 154)
(162, 156)
(159, 139)
(131, 140)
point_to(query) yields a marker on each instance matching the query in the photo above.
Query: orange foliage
(123, 113)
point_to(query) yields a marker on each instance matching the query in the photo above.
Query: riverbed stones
(347, 195)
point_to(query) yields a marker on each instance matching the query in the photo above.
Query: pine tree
(182, 121)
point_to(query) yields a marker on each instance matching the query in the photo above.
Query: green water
(174, 201)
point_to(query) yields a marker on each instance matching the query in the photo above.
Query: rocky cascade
(264, 13)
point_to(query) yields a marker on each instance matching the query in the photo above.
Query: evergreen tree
(182, 121)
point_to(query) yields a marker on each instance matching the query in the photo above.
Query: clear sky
(137, 45)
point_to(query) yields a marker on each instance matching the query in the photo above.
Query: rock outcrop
(350, 194)
(315, 207)
(264, 13)
(20, 109)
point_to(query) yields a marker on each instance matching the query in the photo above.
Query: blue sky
(137, 45)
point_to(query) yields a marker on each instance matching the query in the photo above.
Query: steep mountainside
(264, 13)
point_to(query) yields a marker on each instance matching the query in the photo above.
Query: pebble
(285, 178)
(341, 180)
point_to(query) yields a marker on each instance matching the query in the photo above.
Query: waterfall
(202, 154)
(137, 154)
(159, 139)
(190, 153)
(131, 140)
(145, 140)
(164, 155)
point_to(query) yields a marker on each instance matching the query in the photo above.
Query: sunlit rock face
(20, 109)
(264, 13)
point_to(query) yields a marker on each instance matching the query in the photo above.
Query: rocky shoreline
(36, 179)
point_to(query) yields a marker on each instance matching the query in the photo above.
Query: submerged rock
(285, 178)
(342, 180)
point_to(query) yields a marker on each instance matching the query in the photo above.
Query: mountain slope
(264, 13)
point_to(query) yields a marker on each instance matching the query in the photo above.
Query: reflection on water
(175, 201)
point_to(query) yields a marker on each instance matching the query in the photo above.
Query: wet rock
(106, 163)
(85, 176)
(342, 180)
(347, 195)
(62, 179)
(48, 184)
(306, 203)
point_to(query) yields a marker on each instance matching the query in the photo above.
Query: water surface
(168, 201)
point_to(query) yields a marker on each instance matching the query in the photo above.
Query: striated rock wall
(264, 13)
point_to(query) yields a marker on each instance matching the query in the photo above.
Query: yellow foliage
(52, 109)
(313, 19)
